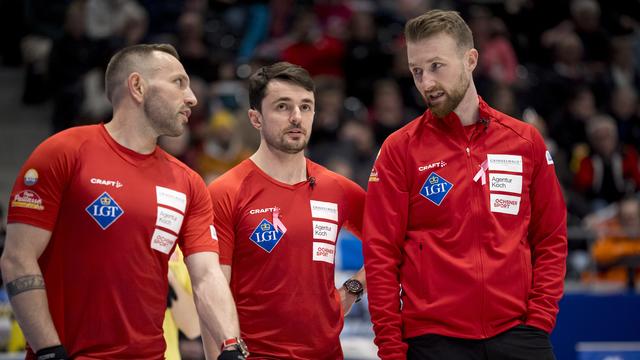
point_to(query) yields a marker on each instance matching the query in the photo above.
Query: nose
(296, 115)
(190, 98)
(427, 83)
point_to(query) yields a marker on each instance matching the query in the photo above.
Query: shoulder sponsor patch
(547, 155)
(435, 188)
(104, 210)
(501, 162)
(324, 210)
(505, 204)
(506, 183)
(324, 252)
(169, 219)
(27, 199)
(162, 241)
(171, 198)
(31, 177)
(266, 236)
(325, 230)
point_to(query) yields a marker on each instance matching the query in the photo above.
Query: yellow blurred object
(180, 272)
(16, 341)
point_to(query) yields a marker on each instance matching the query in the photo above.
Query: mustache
(296, 127)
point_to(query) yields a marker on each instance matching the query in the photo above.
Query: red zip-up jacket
(446, 254)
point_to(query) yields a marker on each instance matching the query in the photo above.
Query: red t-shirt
(115, 217)
(282, 275)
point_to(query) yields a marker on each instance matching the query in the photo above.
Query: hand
(231, 355)
(52, 353)
(347, 299)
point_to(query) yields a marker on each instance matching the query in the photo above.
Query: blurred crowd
(569, 67)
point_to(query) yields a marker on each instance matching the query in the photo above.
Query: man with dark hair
(278, 216)
(95, 214)
(465, 224)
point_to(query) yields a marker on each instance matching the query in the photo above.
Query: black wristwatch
(354, 287)
(236, 344)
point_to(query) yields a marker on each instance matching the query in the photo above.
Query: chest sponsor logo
(104, 210)
(266, 235)
(435, 165)
(506, 183)
(169, 219)
(324, 210)
(324, 252)
(435, 188)
(261, 211)
(171, 198)
(31, 177)
(500, 162)
(325, 231)
(162, 241)
(115, 183)
(505, 204)
(547, 155)
(27, 199)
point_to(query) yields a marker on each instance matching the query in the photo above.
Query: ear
(471, 60)
(255, 118)
(137, 86)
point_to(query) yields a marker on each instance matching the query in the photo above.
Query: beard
(451, 99)
(163, 120)
(289, 146)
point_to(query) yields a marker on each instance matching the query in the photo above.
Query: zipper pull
(468, 152)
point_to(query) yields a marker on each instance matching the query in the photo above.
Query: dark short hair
(125, 61)
(282, 71)
(434, 22)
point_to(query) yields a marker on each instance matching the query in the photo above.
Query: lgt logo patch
(104, 210)
(435, 188)
(266, 235)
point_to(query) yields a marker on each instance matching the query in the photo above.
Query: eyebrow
(430, 60)
(286, 98)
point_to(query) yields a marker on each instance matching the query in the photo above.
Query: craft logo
(266, 235)
(435, 188)
(31, 177)
(115, 183)
(27, 199)
(437, 164)
(104, 210)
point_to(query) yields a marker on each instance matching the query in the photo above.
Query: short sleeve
(355, 197)
(222, 199)
(40, 185)
(199, 233)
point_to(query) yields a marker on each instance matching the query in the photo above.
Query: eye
(282, 107)
(417, 72)
(435, 66)
(306, 107)
(179, 81)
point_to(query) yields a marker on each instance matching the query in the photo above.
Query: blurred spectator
(585, 15)
(194, 51)
(387, 113)
(611, 170)
(624, 109)
(330, 112)
(568, 125)
(366, 59)
(617, 250)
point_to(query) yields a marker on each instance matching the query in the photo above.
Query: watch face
(353, 286)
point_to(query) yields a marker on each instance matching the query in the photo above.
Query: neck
(467, 110)
(286, 168)
(131, 133)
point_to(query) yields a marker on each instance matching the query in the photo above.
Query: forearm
(216, 307)
(183, 310)
(26, 289)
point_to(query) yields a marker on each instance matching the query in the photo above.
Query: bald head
(128, 60)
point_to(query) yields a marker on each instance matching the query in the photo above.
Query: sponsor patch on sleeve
(506, 183)
(373, 177)
(502, 162)
(505, 204)
(31, 177)
(324, 252)
(171, 198)
(27, 199)
(214, 234)
(325, 230)
(324, 210)
(162, 241)
(547, 154)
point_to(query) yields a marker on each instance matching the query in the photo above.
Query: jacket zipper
(476, 221)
